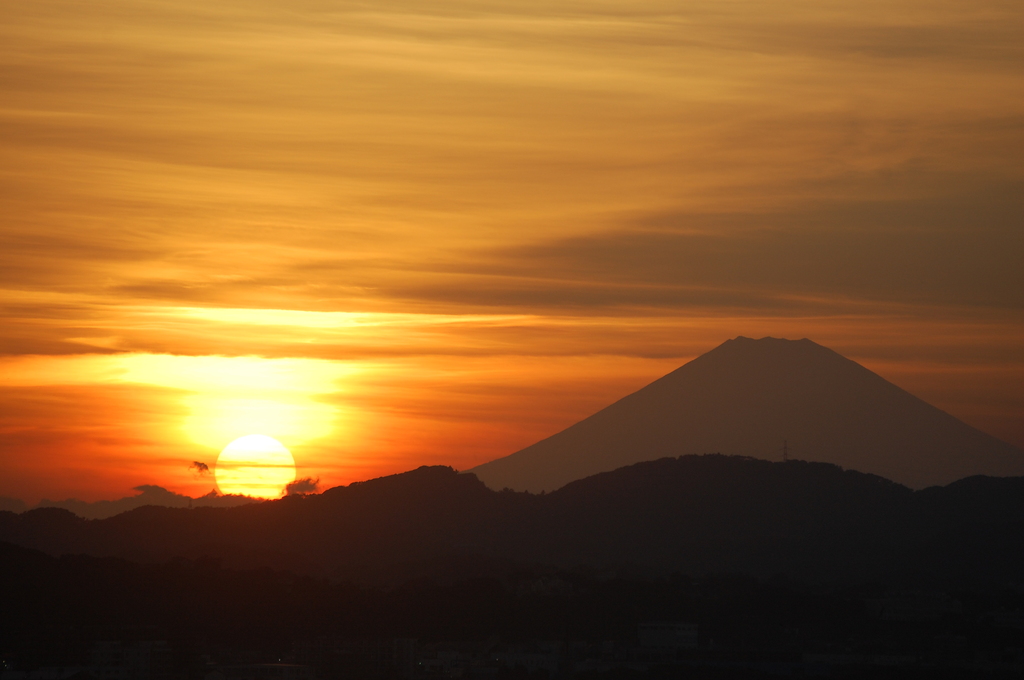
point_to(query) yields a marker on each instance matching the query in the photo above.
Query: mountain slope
(744, 398)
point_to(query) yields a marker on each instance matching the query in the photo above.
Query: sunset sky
(400, 233)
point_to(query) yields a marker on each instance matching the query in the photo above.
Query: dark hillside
(694, 514)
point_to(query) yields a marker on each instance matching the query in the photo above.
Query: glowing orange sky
(400, 235)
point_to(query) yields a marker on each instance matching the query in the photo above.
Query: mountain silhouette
(747, 397)
(694, 514)
(148, 494)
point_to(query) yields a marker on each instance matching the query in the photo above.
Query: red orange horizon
(317, 459)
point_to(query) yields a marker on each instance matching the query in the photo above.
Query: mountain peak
(742, 343)
(747, 397)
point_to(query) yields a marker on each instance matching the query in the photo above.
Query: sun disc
(255, 465)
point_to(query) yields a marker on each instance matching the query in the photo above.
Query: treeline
(695, 514)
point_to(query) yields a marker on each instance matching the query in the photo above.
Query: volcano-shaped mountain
(746, 397)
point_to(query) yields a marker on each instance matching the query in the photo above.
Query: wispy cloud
(409, 189)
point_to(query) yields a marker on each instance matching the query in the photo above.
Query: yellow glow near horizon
(243, 373)
(215, 419)
(247, 394)
(191, 407)
(255, 465)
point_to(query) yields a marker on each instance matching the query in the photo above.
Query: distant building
(45, 673)
(115, 660)
(667, 635)
(541, 656)
(914, 607)
(261, 671)
(397, 656)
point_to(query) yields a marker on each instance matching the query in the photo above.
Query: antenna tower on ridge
(785, 451)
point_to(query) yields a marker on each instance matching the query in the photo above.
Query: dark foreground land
(701, 566)
(198, 620)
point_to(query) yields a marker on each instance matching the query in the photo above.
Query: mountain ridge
(692, 514)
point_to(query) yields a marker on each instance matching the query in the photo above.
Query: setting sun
(255, 465)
